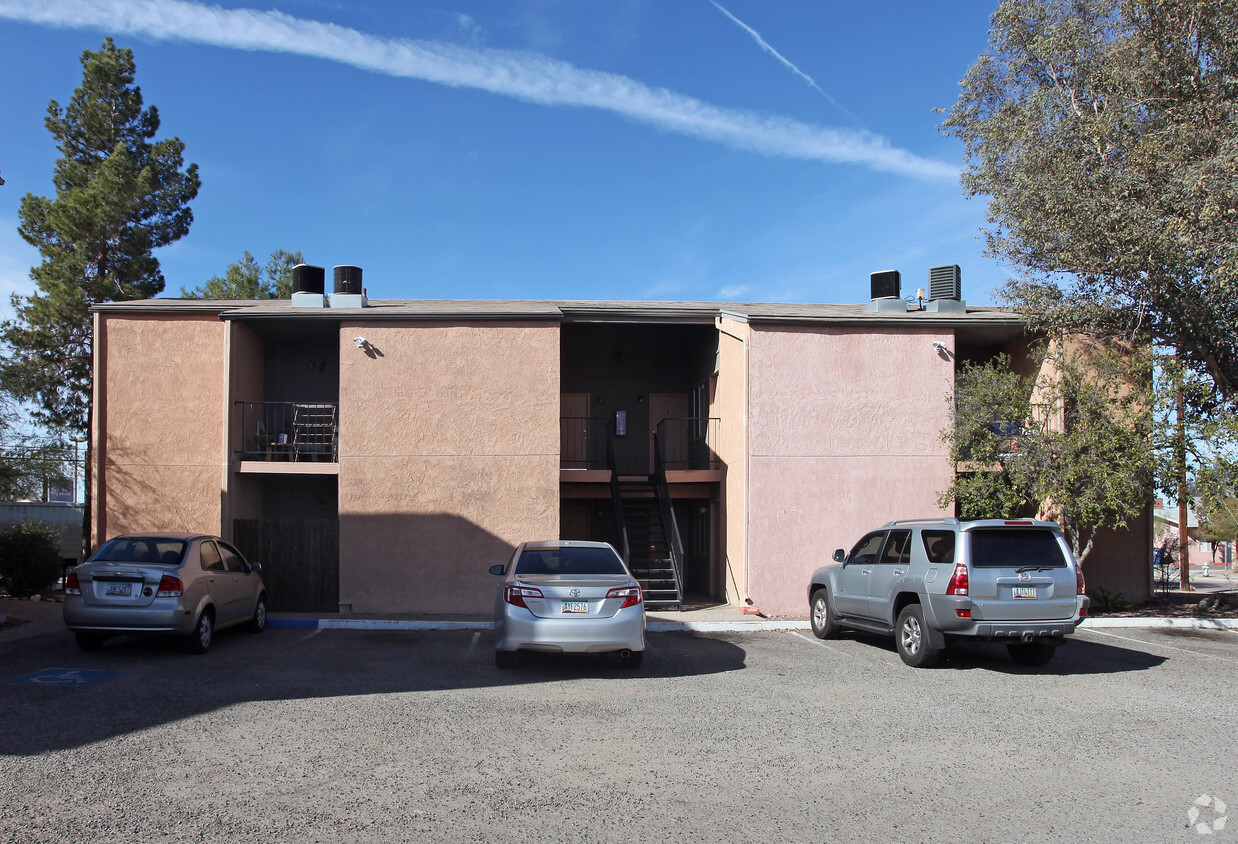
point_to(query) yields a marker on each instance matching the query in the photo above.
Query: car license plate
(576, 606)
(1025, 592)
(121, 589)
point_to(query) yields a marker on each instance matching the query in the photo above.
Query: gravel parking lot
(340, 735)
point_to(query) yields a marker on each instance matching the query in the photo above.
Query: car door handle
(865, 571)
(900, 571)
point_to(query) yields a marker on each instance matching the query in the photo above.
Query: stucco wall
(844, 436)
(159, 445)
(449, 456)
(730, 407)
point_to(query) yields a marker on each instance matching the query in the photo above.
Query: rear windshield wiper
(1041, 567)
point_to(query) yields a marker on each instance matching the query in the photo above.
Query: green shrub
(29, 559)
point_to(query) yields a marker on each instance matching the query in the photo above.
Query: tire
(1031, 653)
(89, 641)
(259, 622)
(632, 661)
(822, 617)
(910, 635)
(504, 659)
(203, 634)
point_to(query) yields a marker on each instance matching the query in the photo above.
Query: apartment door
(574, 431)
(663, 406)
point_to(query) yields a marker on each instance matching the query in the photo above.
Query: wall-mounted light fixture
(360, 341)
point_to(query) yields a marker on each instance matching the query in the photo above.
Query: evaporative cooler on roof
(945, 282)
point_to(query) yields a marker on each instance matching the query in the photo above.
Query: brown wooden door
(574, 431)
(663, 406)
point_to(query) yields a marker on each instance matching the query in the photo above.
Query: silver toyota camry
(177, 584)
(568, 597)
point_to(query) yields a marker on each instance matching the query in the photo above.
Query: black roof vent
(886, 284)
(308, 279)
(348, 279)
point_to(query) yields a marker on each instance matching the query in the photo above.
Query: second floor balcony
(288, 432)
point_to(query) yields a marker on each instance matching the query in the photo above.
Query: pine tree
(244, 279)
(119, 196)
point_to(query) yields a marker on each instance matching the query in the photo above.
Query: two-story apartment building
(378, 455)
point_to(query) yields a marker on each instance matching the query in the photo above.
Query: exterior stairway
(649, 551)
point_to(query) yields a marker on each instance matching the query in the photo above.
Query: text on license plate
(124, 589)
(1024, 592)
(576, 606)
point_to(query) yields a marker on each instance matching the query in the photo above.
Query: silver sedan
(177, 584)
(568, 597)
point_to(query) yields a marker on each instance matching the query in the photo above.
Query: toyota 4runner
(930, 582)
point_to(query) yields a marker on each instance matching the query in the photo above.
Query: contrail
(524, 76)
(767, 47)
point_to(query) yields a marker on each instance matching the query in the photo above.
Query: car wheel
(912, 638)
(632, 659)
(89, 641)
(203, 633)
(504, 659)
(823, 624)
(1031, 653)
(259, 622)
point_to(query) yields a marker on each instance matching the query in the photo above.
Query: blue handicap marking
(65, 677)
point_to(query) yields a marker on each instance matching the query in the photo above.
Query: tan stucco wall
(159, 450)
(730, 407)
(844, 436)
(449, 456)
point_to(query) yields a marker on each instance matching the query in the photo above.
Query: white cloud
(524, 76)
(734, 292)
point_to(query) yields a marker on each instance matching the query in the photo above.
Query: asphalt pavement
(319, 734)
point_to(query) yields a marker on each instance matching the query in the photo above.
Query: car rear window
(570, 561)
(166, 552)
(1015, 548)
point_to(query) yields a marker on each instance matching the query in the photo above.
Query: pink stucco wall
(159, 447)
(449, 456)
(730, 407)
(844, 435)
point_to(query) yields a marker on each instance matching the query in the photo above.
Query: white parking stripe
(1156, 645)
(814, 641)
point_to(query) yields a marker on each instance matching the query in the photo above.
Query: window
(232, 560)
(866, 550)
(138, 550)
(898, 548)
(570, 561)
(1006, 548)
(211, 560)
(938, 546)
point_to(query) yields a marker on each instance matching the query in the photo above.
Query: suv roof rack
(949, 520)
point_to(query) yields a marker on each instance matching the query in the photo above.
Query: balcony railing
(582, 442)
(688, 443)
(289, 431)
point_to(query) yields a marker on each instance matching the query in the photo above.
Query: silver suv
(933, 581)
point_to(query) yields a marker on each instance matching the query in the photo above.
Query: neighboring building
(65, 518)
(377, 456)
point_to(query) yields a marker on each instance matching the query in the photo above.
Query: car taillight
(958, 580)
(516, 594)
(629, 594)
(1081, 587)
(71, 586)
(170, 587)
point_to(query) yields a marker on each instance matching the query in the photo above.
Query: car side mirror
(497, 569)
(840, 555)
(255, 566)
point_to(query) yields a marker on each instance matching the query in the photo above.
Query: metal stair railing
(668, 520)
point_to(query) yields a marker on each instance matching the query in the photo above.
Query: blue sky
(739, 150)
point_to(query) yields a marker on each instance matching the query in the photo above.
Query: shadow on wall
(427, 563)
